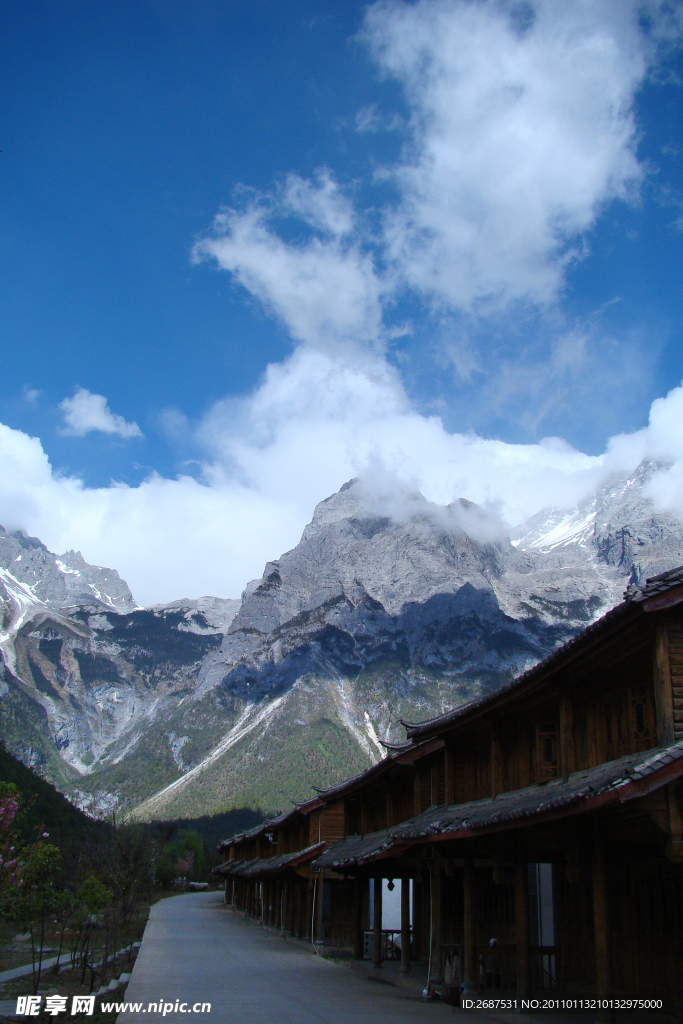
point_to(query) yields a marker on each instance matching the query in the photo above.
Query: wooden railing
(544, 967)
(391, 944)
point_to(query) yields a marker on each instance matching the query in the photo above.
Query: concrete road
(196, 951)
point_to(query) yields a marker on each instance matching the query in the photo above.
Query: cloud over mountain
(519, 129)
(312, 424)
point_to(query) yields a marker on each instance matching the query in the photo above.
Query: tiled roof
(630, 607)
(270, 865)
(654, 585)
(258, 830)
(634, 596)
(227, 867)
(580, 787)
(234, 867)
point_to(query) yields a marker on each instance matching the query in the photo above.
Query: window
(547, 751)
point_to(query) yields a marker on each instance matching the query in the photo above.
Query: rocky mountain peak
(392, 546)
(389, 607)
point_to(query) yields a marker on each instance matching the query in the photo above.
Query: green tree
(185, 857)
(36, 897)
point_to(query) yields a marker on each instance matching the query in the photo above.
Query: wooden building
(539, 829)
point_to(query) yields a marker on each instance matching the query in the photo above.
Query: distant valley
(388, 608)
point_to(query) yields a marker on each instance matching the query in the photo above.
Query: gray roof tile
(506, 807)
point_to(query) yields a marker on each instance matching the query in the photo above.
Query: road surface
(197, 951)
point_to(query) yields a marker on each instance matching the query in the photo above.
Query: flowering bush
(10, 869)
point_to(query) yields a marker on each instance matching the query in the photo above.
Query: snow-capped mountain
(36, 586)
(615, 528)
(389, 607)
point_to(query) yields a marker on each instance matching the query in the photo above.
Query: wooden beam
(522, 925)
(664, 705)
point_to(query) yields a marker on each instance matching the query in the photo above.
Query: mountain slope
(392, 608)
(389, 607)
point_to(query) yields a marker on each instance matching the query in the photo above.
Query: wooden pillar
(358, 938)
(309, 910)
(435, 896)
(405, 926)
(522, 925)
(604, 978)
(496, 762)
(377, 924)
(470, 979)
(417, 916)
(417, 794)
(284, 896)
(389, 810)
(567, 759)
(663, 690)
(320, 906)
(591, 724)
(291, 912)
(296, 910)
(674, 842)
(449, 772)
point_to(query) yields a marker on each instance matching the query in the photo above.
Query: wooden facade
(541, 827)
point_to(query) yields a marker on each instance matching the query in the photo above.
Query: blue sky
(441, 225)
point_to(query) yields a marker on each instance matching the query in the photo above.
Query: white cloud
(520, 132)
(30, 395)
(519, 135)
(324, 287)
(314, 422)
(369, 119)
(86, 412)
